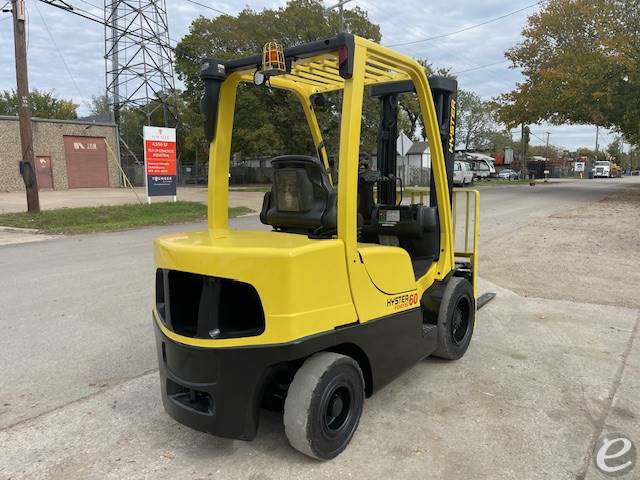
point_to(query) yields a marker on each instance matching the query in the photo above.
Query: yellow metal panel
(389, 268)
(302, 283)
(319, 70)
(300, 73)
(369, 301)
(219, 155)
(351, 121)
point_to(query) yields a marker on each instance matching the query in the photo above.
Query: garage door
(86, 162)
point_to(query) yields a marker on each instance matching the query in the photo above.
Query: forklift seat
(302, 199)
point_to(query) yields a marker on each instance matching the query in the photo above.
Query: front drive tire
(323, 405)
(456, 319)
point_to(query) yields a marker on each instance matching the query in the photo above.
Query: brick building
(68, 154)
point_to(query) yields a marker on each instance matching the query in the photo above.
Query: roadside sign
(579, 166)
(508, 156)
(160, 162)
(403, 144)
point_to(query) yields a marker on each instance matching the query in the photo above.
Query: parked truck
(602, 169)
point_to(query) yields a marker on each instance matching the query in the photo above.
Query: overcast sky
(66, 52)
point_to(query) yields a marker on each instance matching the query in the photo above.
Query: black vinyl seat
(302, 199)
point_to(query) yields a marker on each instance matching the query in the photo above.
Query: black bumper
(211, 390)
(220, 390)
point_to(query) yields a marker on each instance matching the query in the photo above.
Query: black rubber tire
(456, 319)
(312, 422)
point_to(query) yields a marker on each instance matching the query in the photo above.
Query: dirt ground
(588, 255)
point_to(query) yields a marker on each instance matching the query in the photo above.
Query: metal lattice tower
(139, 63)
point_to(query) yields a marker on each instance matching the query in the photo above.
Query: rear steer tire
(456, 319)
(323, 405)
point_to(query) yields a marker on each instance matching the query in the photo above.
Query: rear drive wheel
(323, 405)
(456, 319)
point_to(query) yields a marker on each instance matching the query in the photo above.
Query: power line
(207, 6)
(470, 27)
(480, 66)
(90, 16)
(64, 62)
(66, 7)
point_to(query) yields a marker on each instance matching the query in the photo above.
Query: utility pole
(546, 151)
(597, 132)
(523, 150)
(340, 6)
(27, 163)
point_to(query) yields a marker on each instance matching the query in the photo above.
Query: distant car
(508, 174)
(462, 173)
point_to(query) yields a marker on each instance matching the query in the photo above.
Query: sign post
(160, 162)
(579, 167)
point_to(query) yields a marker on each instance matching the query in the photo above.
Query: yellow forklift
(349, 288)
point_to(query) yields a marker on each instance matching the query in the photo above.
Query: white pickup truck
(602, 169)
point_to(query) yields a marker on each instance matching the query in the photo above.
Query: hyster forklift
(349, 287)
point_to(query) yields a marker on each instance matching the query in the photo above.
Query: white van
(462, 173)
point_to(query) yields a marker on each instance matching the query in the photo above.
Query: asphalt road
(77, 339)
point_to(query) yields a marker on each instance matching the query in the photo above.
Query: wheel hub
(337, 409)
(459, 325)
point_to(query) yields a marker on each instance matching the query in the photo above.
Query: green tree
(614, 149)
(44, 104)
(591, 154)
(270, 122)
(410, 105)
(476, 124)
(581, 63)
(99, 104)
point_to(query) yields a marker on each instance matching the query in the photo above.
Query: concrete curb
(18, 230)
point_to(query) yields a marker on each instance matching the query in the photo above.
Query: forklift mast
(387, 156)
(444, 92)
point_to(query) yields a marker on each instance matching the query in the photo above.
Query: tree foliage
(581, 63)
(44, 104)
(99, 104)
(270, 122)
(476, 123)
(410, 116)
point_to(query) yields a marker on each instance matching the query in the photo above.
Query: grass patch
(499, 182)
(257, 188)
(109, 218)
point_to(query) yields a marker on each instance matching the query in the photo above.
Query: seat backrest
(301, 197)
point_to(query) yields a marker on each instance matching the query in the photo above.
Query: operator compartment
(414, 228)
(250, 286)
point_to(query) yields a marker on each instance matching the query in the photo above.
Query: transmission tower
(139, 63)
